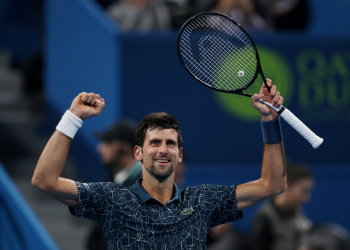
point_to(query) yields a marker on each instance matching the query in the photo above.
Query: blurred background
(125, 50)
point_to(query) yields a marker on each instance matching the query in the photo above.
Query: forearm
(274, 173)
(51, 161)
(273, 178)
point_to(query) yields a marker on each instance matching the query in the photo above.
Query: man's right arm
(47, 173)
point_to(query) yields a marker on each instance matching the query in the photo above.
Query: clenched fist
(274, 97)
(87, 105)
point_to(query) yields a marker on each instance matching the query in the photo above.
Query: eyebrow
(159, 140)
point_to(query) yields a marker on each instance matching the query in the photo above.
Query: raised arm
(273, 178)
(47, 173)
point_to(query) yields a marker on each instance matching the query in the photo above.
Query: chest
(155, 216)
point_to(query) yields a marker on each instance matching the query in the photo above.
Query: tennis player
(154, 213)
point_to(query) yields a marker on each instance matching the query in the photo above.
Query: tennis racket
(220, 54)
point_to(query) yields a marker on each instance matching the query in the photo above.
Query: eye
(155, 142)
(170, 143)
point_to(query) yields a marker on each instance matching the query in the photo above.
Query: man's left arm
(273, 178)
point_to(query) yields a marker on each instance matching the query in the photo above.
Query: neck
(161, 191)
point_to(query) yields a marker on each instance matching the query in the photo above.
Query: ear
(179, 160)
(138, 153)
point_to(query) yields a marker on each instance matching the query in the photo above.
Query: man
(280, 223)
(117, 153)
(154, 213)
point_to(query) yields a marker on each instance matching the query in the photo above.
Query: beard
(161, 177)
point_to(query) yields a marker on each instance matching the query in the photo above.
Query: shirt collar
(143, 196)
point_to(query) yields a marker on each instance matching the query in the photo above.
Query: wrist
(69, 124)
(271, 131)
(270, 117)
(77, 114)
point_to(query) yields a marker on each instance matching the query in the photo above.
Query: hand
(274, 97)
(87, 105)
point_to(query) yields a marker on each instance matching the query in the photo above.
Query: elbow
(279, 185)
(40, 184)
(273, 189)
(36, 183)
(280, 189)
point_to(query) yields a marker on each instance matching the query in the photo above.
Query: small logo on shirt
(187, 211)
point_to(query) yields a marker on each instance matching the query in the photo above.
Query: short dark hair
(159, 120)
(297, 171)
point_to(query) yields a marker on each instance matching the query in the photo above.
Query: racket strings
(224, 45)
(199, 71)
(203, 64)
(240, 60)
(222, 75)
(215, 57)
(202, 68)
(235, 33)
(211, 58)
(187, 50)
(227, 52)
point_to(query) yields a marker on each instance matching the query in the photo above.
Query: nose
(163, 149)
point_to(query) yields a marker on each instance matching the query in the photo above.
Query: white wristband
(69, 124)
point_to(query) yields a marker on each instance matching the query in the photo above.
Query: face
(109, 152)
(160, 153)
(299, 192)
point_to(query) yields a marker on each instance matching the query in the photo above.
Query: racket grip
(299, 126)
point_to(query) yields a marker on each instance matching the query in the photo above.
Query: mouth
(162, 160)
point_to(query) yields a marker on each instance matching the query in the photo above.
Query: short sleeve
(90, 201)
(222, 200)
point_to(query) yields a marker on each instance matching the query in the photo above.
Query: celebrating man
(154, 213)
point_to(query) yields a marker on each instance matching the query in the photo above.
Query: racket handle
(299, 126)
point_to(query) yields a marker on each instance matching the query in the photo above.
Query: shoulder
(209, 188)
(209, 191)
(106, 192)
(102, 188)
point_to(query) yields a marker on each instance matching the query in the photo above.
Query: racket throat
(242, 93)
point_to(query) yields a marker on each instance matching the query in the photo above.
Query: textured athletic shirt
(132, 219)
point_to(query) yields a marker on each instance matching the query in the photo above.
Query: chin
(161, 177)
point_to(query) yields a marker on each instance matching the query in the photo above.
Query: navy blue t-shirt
(132, 219)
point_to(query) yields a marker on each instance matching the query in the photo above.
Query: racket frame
(258, 65)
